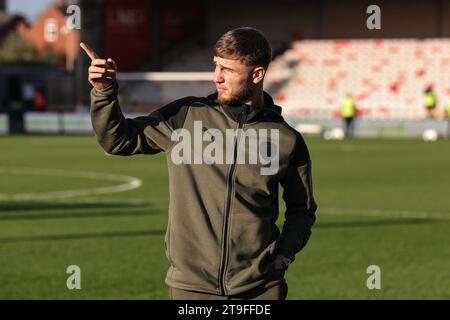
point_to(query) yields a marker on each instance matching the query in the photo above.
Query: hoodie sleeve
(142, 135)
(300, 204)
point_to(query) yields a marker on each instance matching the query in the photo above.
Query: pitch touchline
(128, 183)
(385, 213)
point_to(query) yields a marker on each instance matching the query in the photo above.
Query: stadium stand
(197, 59)
(386, 77)
(145, 96)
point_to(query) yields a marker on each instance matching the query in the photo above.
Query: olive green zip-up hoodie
(221, 236)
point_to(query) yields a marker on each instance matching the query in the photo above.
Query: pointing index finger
(89, 51)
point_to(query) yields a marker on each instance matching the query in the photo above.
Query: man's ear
(258, 74)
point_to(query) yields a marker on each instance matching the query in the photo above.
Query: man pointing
(222, 240)
(102, 73)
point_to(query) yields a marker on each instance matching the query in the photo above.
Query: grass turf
(381, 202)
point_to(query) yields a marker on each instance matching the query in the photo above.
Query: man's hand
(278, 268)
(279, 264)
(102, 73)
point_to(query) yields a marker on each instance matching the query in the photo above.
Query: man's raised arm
(117, 135)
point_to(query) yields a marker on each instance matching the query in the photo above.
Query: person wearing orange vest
(39, 99)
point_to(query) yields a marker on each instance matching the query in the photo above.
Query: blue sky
(31, 9)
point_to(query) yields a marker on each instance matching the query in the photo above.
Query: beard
(244, 94)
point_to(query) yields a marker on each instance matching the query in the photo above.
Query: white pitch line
(130, 183)
(100, 200)
(133, 183)
(385, 213)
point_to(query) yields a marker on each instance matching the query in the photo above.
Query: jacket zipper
(230, 191)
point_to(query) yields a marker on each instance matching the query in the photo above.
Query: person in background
(447, 116)
(430, 101)
(39, 99)
(348, 113)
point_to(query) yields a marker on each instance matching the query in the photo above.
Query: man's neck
(256, 101)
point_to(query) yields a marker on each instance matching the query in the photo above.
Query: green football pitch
(64, 202)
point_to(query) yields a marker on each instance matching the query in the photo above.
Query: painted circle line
(127, 183)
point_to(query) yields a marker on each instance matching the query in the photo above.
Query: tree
(14, 49)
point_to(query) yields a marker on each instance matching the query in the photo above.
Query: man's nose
(218, 76)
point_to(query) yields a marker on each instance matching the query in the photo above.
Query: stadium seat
(386, 76)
